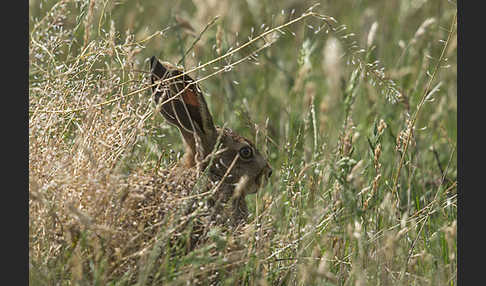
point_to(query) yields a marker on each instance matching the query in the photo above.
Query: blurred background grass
(333, 133)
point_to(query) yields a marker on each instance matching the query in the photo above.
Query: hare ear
(183, 105)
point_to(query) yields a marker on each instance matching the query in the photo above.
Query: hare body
(207, 187)
(232, 164)
(218, 169)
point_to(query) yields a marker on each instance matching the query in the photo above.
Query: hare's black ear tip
(157, 68)
(153, 62)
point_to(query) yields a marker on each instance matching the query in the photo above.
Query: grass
(353, 102)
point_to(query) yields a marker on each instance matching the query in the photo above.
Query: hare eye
(246, 152)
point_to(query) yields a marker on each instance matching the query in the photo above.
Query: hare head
(228, 157)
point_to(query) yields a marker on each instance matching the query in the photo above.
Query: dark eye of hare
(246, 152)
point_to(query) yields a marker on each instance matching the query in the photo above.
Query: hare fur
(233, 165)
(206, 188)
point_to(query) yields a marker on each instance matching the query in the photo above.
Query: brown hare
(232, 164)
(178, 206)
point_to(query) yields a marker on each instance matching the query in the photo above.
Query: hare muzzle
(261, 180)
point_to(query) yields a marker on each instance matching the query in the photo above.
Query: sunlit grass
(353, 103)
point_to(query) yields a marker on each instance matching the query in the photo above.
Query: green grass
(360, 130)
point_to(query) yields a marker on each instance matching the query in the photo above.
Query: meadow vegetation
(353, 102)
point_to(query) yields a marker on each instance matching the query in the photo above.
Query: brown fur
(206, 188)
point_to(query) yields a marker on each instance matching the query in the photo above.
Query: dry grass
(364, 191)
